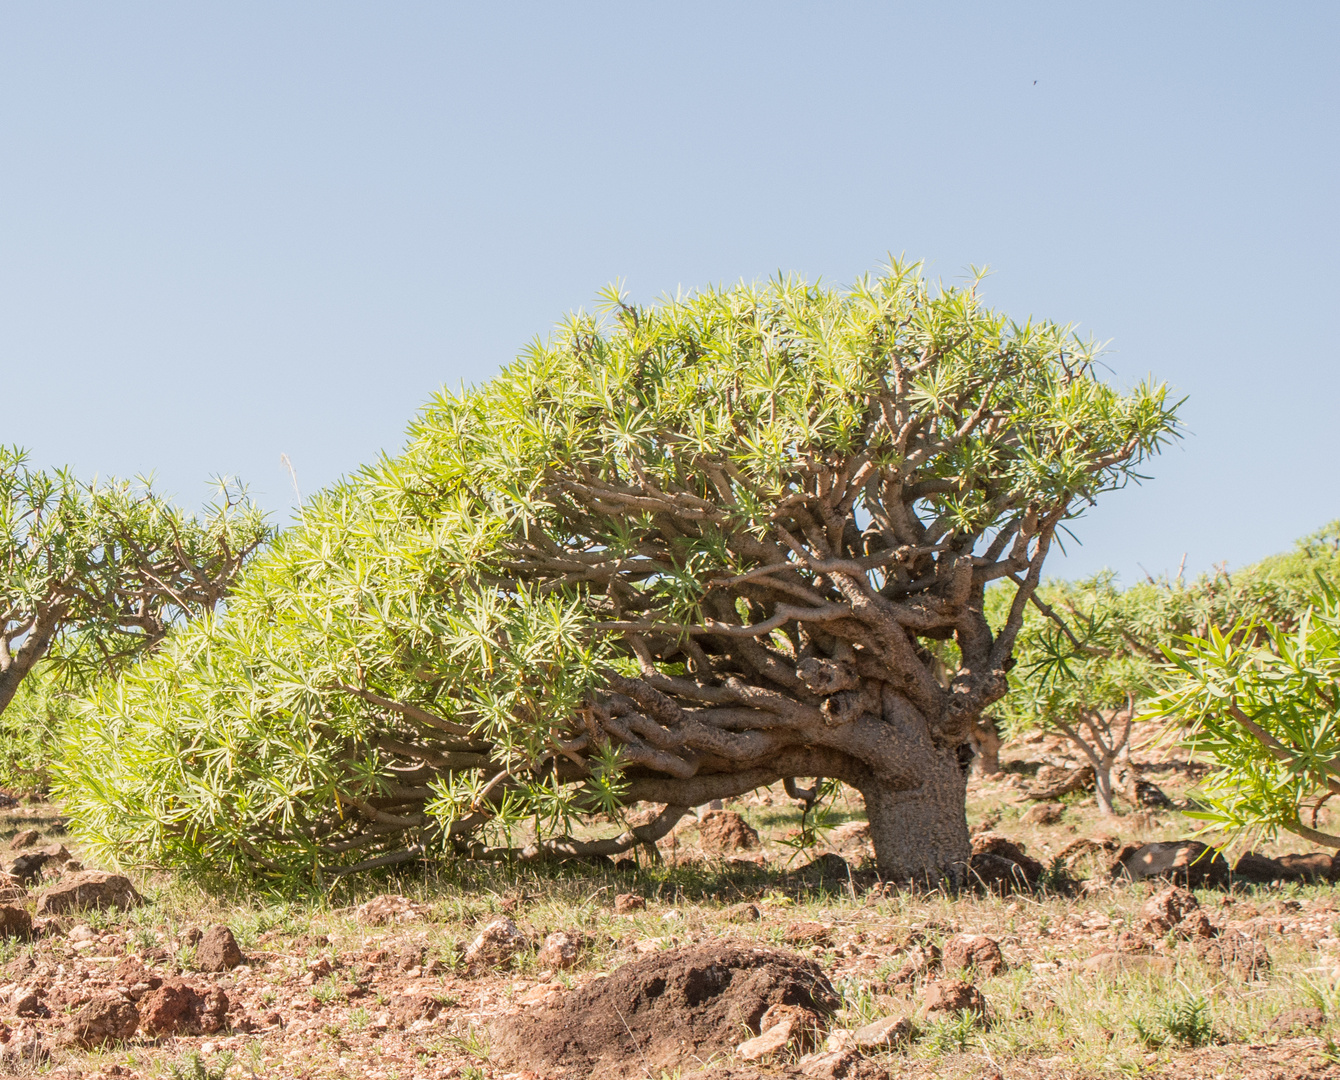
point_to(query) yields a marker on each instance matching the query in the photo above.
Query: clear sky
(237, 230)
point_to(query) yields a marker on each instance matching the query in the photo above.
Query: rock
(15, 921)
(626, 903)
(1236, 953)
(808, 933)
(995, 844)
(89, 889)
(217, 950)
(973, 952)
(997, 874)
(169, 1010)
(25, 1001)
(949, 997)
(850, 836)
(1183, 862)
(841, 1065)
(743, 913)
(25, 839)
(781, 1026)
(1164, 910)
(387, 910)
(1052, 782)
(1307, 1018)
(760, 1046)
(1313, 867)
(497, 943)
(725, 830)
(828, 868)
(920, 960)
(1047, 813)
(559, 951)
(110, 1018)
(662, 1012)
(1258, 869)
(883, 1034)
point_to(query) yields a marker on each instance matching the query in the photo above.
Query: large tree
(673, 553)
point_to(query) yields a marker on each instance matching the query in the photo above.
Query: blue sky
(233, 231)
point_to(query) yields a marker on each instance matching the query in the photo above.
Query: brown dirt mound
(671, 1008)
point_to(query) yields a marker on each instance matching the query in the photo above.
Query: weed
(193, 1067)
(953, 1034)
(1186, 1021)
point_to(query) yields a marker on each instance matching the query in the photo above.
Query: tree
(1091, 656)
(672, 554)
(1262, 700)
(93, 575)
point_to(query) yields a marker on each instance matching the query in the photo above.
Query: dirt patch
(669, 1009)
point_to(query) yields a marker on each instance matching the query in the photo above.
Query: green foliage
(418, 665)
(1262, 699)
(91, 577)
(1187, 1021)
(1090, 653)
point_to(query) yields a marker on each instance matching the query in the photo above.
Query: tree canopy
(669, 554)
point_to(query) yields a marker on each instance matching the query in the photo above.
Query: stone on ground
(975, 952)
(388, 910)
(949, 998)
(559, 951)
(89, 889)
(723, 831)
(217, 950)
(1183, 862)
(110, 1018)
(496, 944)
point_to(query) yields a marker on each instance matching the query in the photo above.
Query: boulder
(89, 889)
(1183, 862)
(217, 950)
(105, 1019)
(724, 831)
(25, 839)
(973, 952)
(1257, 869)
(1314, 866)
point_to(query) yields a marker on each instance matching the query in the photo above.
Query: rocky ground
(735, 957)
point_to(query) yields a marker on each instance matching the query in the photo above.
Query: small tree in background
(91, 577)
(674, 554)
(1262, 700)
(1092, 656)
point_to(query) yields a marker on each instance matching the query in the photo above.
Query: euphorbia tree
(672, 554)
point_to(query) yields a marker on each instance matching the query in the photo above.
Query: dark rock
(25, 839)
(828, 868)
(1258, 869)
(1183, 862)
(995, 844)
(89, 889)
(217, 950)
(998, 874)
(1314, 867)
